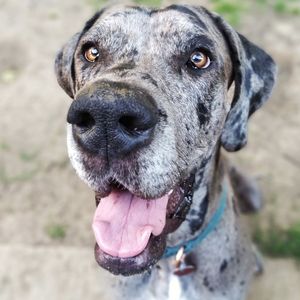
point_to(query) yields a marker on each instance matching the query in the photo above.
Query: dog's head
(151, 106)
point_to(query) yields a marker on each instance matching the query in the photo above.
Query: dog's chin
(133, 265)
(121, 254)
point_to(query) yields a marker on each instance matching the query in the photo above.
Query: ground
(46, 242)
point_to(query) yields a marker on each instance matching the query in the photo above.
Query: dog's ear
(64, 65)
(64, 62)
(254, 73)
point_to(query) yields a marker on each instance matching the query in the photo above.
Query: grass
(96, 4)
(287, 7)
(56, 231)
(25, 157)
(276, 242)
(28, 157)
(234, 10)
(4, 146)
(231, 10)
(280, 6)
(21, 177)
(53, 15)
(153, 3)
(9, 75)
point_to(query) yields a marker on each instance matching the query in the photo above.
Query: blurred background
(46, 242)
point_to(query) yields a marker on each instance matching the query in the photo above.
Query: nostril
(83, 122)
(133, 124)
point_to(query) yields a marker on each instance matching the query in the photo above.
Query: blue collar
(210, 227)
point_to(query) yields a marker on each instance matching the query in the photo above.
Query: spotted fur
(149, 49)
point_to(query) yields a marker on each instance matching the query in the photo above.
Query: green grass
(280, 6)
(21, 177)
(56, 231)
(276, 242)
(287, 7)
(291, 7)
(25, 157)
(96, 4)
(28, 156)
(153, 3)
(53, 15)
(9, 75)
(4, 146)
(234, 10)
(262, 2)
(231, 10)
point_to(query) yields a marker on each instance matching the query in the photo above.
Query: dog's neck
(207, 256)
(209, 180)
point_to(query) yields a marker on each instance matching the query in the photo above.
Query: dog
(159, 94)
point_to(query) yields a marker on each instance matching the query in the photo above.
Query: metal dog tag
(183, 268)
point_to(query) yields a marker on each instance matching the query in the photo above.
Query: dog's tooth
(170, 192)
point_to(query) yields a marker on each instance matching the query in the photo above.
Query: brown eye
(91, 54)
(199, 60)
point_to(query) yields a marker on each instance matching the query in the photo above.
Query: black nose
(113, 122)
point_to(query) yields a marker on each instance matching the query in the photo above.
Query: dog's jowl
(157, 96)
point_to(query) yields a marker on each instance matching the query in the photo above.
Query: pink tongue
(123, 223)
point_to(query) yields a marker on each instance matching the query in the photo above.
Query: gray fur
(148, 49)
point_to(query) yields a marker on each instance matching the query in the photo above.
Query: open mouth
(131, 232)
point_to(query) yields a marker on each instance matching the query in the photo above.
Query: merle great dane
(158, 95)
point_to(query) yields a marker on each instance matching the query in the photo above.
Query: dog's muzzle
(112, 119)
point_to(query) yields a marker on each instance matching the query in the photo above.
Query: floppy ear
(64, 62)
(254, 73)
(63, 65)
